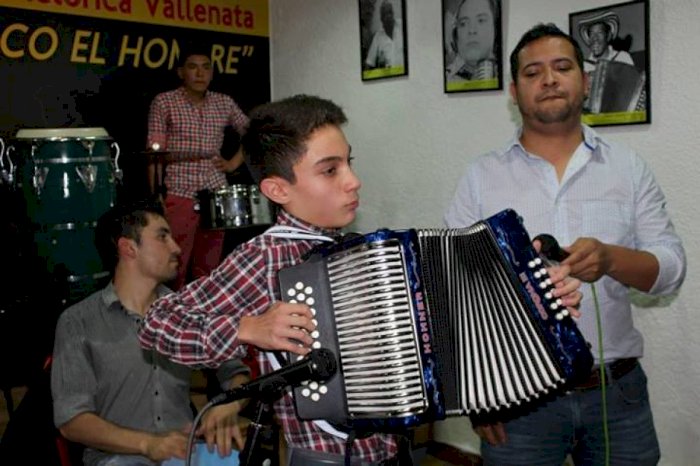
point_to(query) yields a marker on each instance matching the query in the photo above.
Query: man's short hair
(125, 220)
(385, 7)
(538, 32)
(278, 131)
(189, 49)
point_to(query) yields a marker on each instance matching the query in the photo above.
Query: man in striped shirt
(189, 123)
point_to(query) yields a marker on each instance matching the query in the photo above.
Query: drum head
(62, 133)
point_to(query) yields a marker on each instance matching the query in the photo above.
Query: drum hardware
(10, 174)
(93, 276)
(69, 226)
(118, 172)
(88, 175)
(39, 178)
(5, 175)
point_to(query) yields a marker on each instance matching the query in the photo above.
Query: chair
(31, 435)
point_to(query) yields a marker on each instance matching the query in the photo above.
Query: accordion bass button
(315, 334)
(316, 345)
(315, 397)
(305, 392)
(323, 389)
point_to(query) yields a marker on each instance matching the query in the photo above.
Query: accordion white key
(433, 323)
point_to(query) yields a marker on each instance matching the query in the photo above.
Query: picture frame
(472, 45)
(383, 41)
(615, 44)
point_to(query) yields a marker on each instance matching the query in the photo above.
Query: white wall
(412, 142)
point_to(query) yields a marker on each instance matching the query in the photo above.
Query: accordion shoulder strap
(281, 231)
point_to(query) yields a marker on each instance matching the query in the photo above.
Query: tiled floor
(421, 456)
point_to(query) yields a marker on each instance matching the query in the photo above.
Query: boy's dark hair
(278, 131)
(123, 221)
(538, 32)
(187, 49)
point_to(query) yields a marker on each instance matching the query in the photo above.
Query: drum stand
(157, 163)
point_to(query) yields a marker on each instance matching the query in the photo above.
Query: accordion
(616, 87)
(433, 323)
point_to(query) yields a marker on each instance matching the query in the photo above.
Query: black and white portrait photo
(472, 45)
(615, 44)
(383, 38)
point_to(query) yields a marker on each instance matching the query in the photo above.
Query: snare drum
(227, 207)
(234, 206)
(65, 174)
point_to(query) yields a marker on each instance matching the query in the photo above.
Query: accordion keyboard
(364, 314)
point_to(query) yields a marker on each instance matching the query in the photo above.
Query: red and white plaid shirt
(181, 127)
(198, 326)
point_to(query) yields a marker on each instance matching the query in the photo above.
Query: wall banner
(99, 63)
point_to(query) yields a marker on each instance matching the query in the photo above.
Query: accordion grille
(494, 356)
(376, 334)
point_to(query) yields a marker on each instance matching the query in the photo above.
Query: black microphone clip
(319, 365)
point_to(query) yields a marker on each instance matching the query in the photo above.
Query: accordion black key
(434, 323)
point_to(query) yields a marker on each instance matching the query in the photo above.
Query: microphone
(550, 248)
(319, 365)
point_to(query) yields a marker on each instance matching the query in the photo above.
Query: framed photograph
(615, 44)
(472, 45)
(383, 46)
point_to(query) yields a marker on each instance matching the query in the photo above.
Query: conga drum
(67, 179)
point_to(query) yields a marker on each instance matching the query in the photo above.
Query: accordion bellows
(433, 323)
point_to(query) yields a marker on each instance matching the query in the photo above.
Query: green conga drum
(67, 179)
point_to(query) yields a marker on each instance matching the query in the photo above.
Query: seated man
(127, 405)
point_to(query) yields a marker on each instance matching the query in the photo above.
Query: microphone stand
(319, 365)
(253, 453)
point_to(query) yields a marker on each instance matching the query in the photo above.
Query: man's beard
(558, 114)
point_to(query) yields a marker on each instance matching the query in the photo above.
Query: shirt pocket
(608, 221)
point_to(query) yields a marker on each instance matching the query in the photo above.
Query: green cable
(601, 368)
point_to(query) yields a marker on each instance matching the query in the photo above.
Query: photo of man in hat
(618, 84)
(598, 32)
